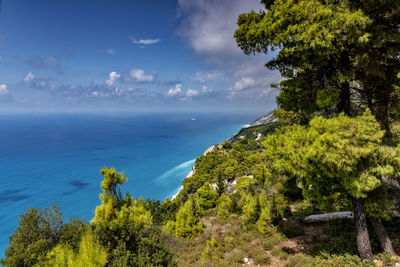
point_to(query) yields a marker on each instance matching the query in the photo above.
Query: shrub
(226, 145)
(37, 232)
(206, 198)
(299, 260)
(290, 229)
(90, 253)
(273, 239)
(251, 209)
(152, 252)
(186, 224)
(211, 246)
(224, 205)
(72, 233)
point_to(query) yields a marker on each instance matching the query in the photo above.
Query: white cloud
(175, 91)
(205, 89)
(145, 41)
(139, 75)
(111, 51)
(244, 83)
(191, 93)
(3, 89)
(29, 77)
(209, 25)
(205, 76)
(113, 77)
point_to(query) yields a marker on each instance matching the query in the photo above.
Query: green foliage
(210, 248)
(261, 258)
(220, 185)
(90, 254)
(186, 224)
(38, 232)
(307, 33)
(334, 55)
(327, 97)
(116, 212)
(328, 260)
(378, 204)
(264, 222)
(290, 229)
(262, 175)
(224, 206)
(229, 172)
(125, 226)
(246, 184)
(226, 145)
(60, 255)
(206, 198)
(164, 212)
(72, 232)
(208, 168)
(334, 159)
(111, 184)
(152, 252)
(251, 209)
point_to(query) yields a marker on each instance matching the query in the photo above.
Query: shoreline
(261, 120)
(193, 170)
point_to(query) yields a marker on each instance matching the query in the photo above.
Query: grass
(226, 242)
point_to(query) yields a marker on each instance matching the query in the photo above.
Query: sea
(56, 158)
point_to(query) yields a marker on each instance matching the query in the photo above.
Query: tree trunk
(360, 222)
(382, 235)
(345, 103)
(326, 217)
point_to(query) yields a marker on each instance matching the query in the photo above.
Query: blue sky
(96, 55)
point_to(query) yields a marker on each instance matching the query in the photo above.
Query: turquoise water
(57, 158)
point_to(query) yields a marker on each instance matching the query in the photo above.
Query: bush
(262, 258)
(211, 246)
(72, 233)
(290, 229)
(273, 239)
(251, 209)
(299, 260)
(226, 145)
(186, 224)
(206, 198)
(90, 253)
(152, 252)
(224, 205)
(37, 232)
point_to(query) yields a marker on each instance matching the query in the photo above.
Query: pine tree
(340, 163)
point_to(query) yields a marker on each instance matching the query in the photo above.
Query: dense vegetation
(121, 234)
(334, 148)
(336, 56)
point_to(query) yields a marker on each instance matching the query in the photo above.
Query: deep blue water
(57, 158)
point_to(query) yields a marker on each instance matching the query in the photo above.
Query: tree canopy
(334, 55)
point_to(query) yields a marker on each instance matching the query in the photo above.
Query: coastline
(190, 174)
(193, 170)
(265, 119)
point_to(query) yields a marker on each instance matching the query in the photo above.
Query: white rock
(210, 149)
(258, 135)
